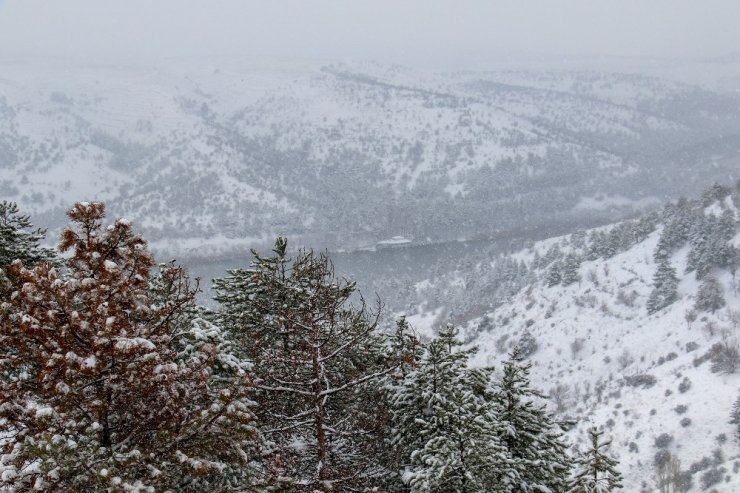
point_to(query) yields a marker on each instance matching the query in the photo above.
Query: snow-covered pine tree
(554, 276)
(97, 391)
(318, 364)
(569, 270)
(677, 219)
(406, 351)
(665, 284)
(535, 443)
(710, 296)
(735, 416)
(18, 239)
(595, 471)
(445, 422)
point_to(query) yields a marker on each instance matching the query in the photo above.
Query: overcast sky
(404, 31)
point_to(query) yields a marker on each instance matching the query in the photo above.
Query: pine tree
(569, 271)
(317, 360)
(405, 352)
(534, 442)
(595, 472)
(710, 296)
(665, 284)
(735, 416)
(102, 389)
(445, 422)
(18, 239)
(554, 276)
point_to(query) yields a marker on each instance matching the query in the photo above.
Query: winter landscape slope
(229, 153)
(659, 383)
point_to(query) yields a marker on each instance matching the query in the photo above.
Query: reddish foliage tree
(108, 385)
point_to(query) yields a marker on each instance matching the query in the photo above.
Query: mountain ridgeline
(209, 161)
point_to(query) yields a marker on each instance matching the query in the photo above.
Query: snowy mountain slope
(220, 154)
(648, 379)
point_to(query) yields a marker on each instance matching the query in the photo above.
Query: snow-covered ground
(606, 362)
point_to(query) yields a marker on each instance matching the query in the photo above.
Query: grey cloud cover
(392, 31)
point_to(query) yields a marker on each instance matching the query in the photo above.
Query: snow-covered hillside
(212, 155)
(656, 382)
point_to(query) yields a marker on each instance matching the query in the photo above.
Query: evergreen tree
(444, 420)
(665, 284)
(595, 472)
(534, 442)
(18, 239)
(678, 220)
(100, 390)
(710, 297)
(735, 416)
(406, 352)
(569, 270)
(318, 365)
(554, 276)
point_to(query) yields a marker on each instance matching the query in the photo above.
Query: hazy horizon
(413, 32)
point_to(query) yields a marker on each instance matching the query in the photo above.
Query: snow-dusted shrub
(709, 297)
(718, 457)
(527, 344)
(725, 357)
(561, 396)
(686, 422)
(700, 465)
(576, 346)
(627, 299)
(681, 409)
(501, 343)
(712, 477)
(640, 380)
(625, 359)
(663, 440)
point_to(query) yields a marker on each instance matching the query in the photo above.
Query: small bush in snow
(680, 409)
(712, 477)
(663, 440)
(710, 297)
(577, 346)
(625, 359)
(725, 357)
(501, 343)
(690, 317)
(701, 465)
(718, 457)
(643, 380)
(686, 422)
(527, 344)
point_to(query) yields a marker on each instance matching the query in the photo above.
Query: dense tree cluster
(113, 379)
